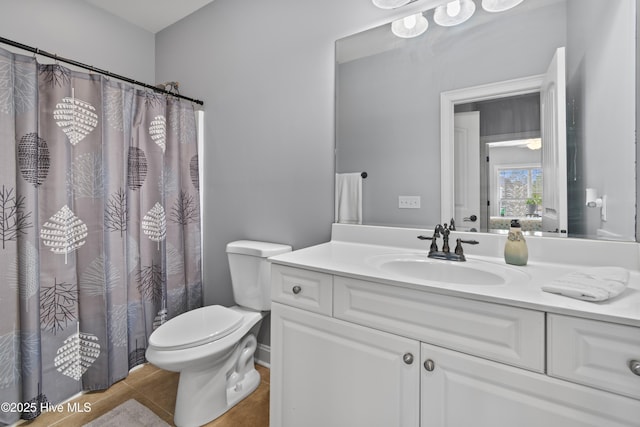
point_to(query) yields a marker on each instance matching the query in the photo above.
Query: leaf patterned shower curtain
(99, 228)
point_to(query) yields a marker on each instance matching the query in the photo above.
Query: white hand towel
(348, 206)
(591, 284)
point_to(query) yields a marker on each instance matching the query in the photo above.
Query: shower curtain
(99, 229)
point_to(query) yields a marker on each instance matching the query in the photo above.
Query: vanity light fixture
(391, 4)
(499, 5)
(410, 26)
(453, 13)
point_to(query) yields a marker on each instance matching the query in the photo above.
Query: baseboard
(262, 355)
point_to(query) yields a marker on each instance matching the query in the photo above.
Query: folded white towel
(348, 206)
(591, 284)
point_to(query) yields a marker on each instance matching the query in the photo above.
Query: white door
(330, 373)
(462, 391)
(467, 170)
(554, 146)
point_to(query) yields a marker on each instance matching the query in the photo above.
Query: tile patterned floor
(156, 389)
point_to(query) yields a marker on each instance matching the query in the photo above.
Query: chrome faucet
(444, 230)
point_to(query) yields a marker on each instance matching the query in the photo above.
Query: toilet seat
(196, 327)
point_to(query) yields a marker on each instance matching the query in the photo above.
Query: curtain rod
(94, 69)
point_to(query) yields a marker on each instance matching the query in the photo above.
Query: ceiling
(151, 15)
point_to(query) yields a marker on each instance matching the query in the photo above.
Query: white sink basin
(470, 272)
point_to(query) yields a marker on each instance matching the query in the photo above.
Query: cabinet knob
(429, 365)
(408, 358)
(634, 365)
(296, 289)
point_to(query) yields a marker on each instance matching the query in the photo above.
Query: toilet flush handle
(296, 289)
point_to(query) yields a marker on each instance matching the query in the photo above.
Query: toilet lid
(196, 327)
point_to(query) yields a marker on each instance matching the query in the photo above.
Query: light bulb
(453, 8)
(534, 144)
(410, 26)
(410, 22)
(454, 13)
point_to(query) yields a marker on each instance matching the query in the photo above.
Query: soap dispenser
(515, 250)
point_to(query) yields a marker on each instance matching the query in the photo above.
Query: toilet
(212, 347)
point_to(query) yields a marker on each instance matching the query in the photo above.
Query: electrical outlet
(409, 202)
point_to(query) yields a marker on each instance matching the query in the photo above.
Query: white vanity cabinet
(383, 355)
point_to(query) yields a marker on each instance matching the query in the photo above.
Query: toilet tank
(251, 272)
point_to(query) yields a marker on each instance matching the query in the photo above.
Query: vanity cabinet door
(326, 372)
(459, 390)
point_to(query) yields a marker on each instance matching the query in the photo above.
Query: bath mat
(131, 414)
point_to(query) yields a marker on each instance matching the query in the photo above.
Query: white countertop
(350, 258)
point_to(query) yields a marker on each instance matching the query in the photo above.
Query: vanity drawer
(501, 333)
(594, 353)
(301, 288)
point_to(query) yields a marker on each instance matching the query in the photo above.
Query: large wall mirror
(508, 115)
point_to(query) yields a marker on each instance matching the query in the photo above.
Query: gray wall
(265, 71)
(77, 30)
(603, 132)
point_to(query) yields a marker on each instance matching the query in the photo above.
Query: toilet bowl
(212, 347)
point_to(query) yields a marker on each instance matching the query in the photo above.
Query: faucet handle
(469, 242)
(434, 244)
(458, 250)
